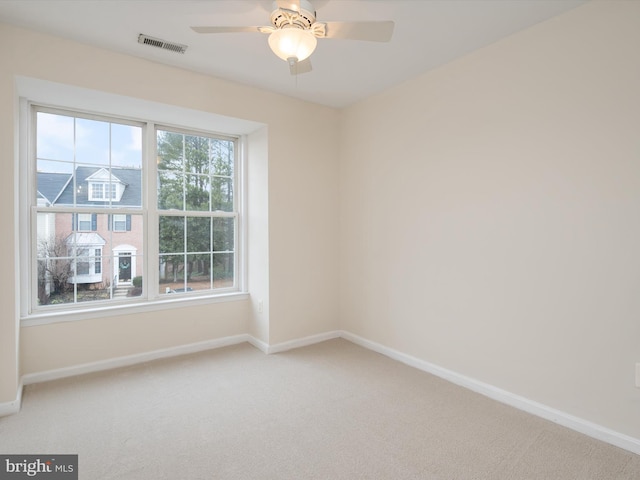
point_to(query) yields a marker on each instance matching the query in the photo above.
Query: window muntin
(89, 242)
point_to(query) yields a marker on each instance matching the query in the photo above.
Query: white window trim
(92, 276)
(92, 191)
(82, 219)
(113, 222)
(79, 100)
(97, 260)
(110, 191)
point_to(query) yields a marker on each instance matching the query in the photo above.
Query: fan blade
(225, 29)
(292, 5)
(298, 68)
(370, 31)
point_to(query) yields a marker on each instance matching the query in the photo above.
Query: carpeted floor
(329, 411)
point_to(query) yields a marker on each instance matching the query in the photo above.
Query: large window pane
(208, 165)
(80, 162)
(83, 258)
(189, 260)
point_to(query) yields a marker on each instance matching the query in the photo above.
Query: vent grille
(156, 42)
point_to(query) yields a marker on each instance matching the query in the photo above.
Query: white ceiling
(428, 33)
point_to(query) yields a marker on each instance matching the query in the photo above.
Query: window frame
(113, 222)
(97, 260)
(94, 187)
(82, 220)
(238, 194)
(108, 191)
(152, 298)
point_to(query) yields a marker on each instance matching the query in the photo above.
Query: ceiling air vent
(156, 42)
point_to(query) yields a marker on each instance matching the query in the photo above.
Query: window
(82, 261)
(97, 191)
(197, 219)
(97, 261)
(120, 223)
(91, 238)
(103, 191)
(85, 264)
(85, 222)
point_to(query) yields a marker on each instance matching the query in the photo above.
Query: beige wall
(490, 215)
(60, 345)
(292, 207)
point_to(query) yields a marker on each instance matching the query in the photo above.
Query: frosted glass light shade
(295, 43)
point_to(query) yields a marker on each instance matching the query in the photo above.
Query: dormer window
(103, 191)
(104, 187)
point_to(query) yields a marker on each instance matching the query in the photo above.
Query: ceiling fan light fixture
(292, 42)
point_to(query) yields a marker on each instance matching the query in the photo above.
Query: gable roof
(130, 177)
(103, 175)
(51, 185)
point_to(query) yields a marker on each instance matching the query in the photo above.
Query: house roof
(85, 239)
(103, 175)
(57, 192)
(51, 185)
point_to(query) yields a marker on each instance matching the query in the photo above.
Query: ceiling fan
(294, 31)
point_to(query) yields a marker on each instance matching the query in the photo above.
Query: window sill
(44, 318)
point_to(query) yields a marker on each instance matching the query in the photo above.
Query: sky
(61, 140)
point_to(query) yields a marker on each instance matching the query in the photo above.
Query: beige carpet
(328, 411)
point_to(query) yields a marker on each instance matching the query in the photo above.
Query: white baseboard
(133, 359)
(259, 344)
(303, 342)
(128, 360)
(12, 407)
(561, 418)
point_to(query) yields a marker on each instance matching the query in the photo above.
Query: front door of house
(124, 267)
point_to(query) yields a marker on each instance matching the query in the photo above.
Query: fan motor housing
(303, 19)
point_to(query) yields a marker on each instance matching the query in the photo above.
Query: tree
(54, 268)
